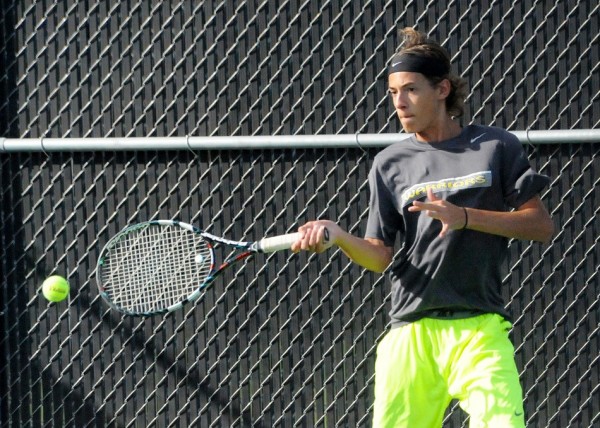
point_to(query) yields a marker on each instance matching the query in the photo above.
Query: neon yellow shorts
(423, 365)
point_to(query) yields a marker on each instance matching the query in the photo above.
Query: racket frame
(243, 250)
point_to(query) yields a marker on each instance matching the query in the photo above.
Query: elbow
(376, 264)
(375, 257)
(382, 265)
(546, 231)
(379, 269)
(539, 225)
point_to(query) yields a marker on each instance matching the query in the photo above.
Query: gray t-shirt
(484, 168)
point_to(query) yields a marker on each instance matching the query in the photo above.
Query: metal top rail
(42, 144)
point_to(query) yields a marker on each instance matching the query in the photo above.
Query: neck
(443, 131)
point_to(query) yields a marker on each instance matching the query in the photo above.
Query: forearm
(530, 221)
(525, 223)
(319, 235)
(368, 253)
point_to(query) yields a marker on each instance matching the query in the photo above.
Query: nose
(398, 100)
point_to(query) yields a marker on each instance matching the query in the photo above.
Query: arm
(369, 253)
(530, 221)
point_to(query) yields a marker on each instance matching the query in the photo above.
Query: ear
(444, 88)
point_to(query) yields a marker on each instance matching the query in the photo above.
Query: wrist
(466, 224)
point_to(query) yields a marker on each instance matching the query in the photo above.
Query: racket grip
(277, 243)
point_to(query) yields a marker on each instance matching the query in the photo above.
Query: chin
(408, 128)
(407, 121)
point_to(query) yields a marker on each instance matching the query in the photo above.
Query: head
(422, 67)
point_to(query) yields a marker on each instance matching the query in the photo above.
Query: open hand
(451, 216)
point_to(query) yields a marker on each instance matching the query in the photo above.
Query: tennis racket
(157, 266)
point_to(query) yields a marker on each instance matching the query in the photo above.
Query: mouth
(408, 122)
(403, 114)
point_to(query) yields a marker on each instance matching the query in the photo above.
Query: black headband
(428, 66)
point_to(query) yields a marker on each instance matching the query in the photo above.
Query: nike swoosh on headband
(416, 63)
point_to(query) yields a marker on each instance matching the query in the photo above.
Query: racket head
(154, 267)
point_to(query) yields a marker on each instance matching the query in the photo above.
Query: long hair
(415, 42)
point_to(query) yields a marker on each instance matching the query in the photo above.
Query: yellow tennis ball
(55, 288)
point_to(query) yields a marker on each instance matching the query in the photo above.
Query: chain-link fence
(286, 340)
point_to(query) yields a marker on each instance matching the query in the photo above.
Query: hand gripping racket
(158, 266)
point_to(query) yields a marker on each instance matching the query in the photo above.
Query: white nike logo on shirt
(477, 138)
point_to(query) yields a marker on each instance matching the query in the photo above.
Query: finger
(444, 230)
(304, 242)
(431, 196)
(314, 238)
(307, 240)
(315, 241)
(417, 206)
(433, 214)
(297, 246)
(423, 206)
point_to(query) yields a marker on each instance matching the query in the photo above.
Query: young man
(453, 195)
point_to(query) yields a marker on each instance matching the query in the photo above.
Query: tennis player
(451, 195)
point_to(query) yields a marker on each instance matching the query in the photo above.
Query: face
(420, 106)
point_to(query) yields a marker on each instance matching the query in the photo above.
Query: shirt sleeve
(384, 221)
(520, 181)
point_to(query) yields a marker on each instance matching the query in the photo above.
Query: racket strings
(155, 268)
